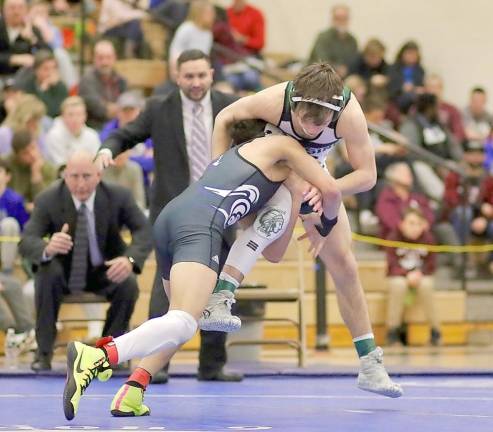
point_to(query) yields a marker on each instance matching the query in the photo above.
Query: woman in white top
(194, 33)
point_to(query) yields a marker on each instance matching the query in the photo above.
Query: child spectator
(410, 274)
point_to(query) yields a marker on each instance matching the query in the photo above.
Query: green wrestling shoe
(84, 363)
(128, 402)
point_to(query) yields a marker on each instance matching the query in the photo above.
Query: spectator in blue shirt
(13, 216)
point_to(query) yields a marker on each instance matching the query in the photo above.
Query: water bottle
(11, 350)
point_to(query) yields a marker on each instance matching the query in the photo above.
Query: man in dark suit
(169, 121)
(84, 218)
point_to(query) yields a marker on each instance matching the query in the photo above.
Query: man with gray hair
(83, 218)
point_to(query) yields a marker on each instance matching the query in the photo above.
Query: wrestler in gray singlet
(191, 226)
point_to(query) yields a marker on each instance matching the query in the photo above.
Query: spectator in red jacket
(398, 196)
(410, 275)
(248, 26)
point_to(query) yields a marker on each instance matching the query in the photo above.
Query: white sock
(170, 330)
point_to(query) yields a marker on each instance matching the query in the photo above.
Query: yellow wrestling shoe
(84, 363)
(128, 402)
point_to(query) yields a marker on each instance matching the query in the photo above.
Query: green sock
(364, 344)
(226, 282)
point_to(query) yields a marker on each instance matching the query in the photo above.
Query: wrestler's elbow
(370, 178)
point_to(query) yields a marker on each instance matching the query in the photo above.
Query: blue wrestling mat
(301, 404)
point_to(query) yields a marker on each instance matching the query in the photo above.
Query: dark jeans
(50, 285)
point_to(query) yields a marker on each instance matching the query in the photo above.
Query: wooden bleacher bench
(156, 36)
(142, 74)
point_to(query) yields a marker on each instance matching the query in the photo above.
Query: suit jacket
(20, 46)
(162, 120)
(114, 208)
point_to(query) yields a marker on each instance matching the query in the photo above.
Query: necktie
(78, 269)
(199, 146)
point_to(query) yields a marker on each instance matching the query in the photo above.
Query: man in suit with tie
(83, 218)
(180, 124)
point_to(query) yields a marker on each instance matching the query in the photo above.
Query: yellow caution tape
(405, 245)
(9, 239)
(375, 241)
(428, 247)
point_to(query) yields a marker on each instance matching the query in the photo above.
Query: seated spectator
(13, 216)
(233, 64)
(336, 45)
(462, 206)
(27, 114)
(423, 129)
(85, 253)
(448, 114)
(19, 38)
(478, 122)
(29, 172)
(386, 151)
(371, 65)
(120, 21)
(128, 174)
(247, 26)
(397, 196)
(130, 105)
(9, 96)
(358, 86)
(39, 15)
(410, 275)
(15, 313)
(400, 194)
(172, 13)
(406, 76)
(194, 33)
(43, 81)
(101, 85)
(70, 132)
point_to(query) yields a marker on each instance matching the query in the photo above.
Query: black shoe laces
(91, 373)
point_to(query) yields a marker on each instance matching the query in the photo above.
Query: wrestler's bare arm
(266, 105)
(353, 129)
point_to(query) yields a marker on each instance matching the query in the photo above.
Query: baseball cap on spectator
(130, 99)
(10, 84)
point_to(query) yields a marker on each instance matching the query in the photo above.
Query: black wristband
(327, 225)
